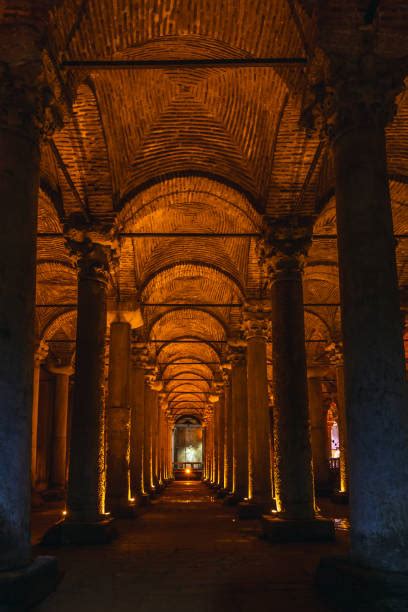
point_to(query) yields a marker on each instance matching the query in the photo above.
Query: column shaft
(221, 440)
(240, 427)
(228, 449)
(147, 465)
(59, 451)
(260, 487)
(319, 440)
(86, 499)
(374, 361)
(293, 455)
(137, 426)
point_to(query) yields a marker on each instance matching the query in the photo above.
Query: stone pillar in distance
(40, 354)
(59, 443)
(282, 250)
(256, 328)
(318, 431)
(139, 358)
(353, 98)
(239, 398)
(118, 498)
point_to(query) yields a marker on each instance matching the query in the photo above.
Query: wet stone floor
(186, 553)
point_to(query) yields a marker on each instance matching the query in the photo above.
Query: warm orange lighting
(64, 513)
(187, 471)
(132, 499)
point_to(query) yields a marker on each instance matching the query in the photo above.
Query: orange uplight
(187, 471)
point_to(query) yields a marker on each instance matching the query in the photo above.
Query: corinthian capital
(93, 248)
(256, 320)
(284, 242)
(40, 352)
(347, 92)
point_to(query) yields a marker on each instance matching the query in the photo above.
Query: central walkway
(188, 553)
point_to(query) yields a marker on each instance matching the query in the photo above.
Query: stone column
(256, 327)
(59, 443)
(86, 521)
(118, 421)
(137, 421)
(22, 118)
(221, 440)
(239, 398)
(40, 354)
(284, 245)
(318, 429)
(147, 446)
(354, 97)
(336, 358)
(209, 448)
(215, 444)
(228, 448)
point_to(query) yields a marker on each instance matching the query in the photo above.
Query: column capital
(284, 243)
(59, 369)
(334, 352)
(139, 354)
(40, 352)
(236, 352)
(94, 248)
(256, 320)
(347, 92)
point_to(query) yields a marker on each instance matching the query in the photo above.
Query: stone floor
(186, 553)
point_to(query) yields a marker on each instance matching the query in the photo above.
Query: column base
(352, 587)
(254, 510)
(22, 588)
(277, 529)
(66, 533)
(124, 511)
(222, 493)
(142, 500)
(232, 499)
(340, 497)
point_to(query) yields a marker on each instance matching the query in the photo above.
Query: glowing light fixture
(187, 471)
(64, 513)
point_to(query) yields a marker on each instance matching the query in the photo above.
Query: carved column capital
(93, 248)
(348, 92)
(256, 320)
(40, 352)
(334, 353)
(236, 352)
(139, 354)
(284, 243)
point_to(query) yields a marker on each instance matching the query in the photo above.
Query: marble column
(221, 440)
(137, 421)
(147, 445)
(59, 439)
(86, 521)
(239, 399)
(40, 354)
(256, 328)
(356, 100)
(228, 448)
(118, 421)
(284, 245)
(336, 357)
(215, 444)
(22, 119)
(318, 430)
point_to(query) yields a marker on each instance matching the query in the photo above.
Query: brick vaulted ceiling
(197, 150)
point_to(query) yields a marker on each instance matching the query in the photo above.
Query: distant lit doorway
(188, 448)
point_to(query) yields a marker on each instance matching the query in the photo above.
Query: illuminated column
(59, 440)
(137, 420)
(215, 440)
(210, 445)
(336, 357)
(24, 117)
(154, 421)
(228, 448)
(318, 430)
(284, 245)
(221, 439)
(354, 97)
(147, 456)
(256, 327)
(118, 421)
(86, 521)
(40, 354)
(237, 358)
